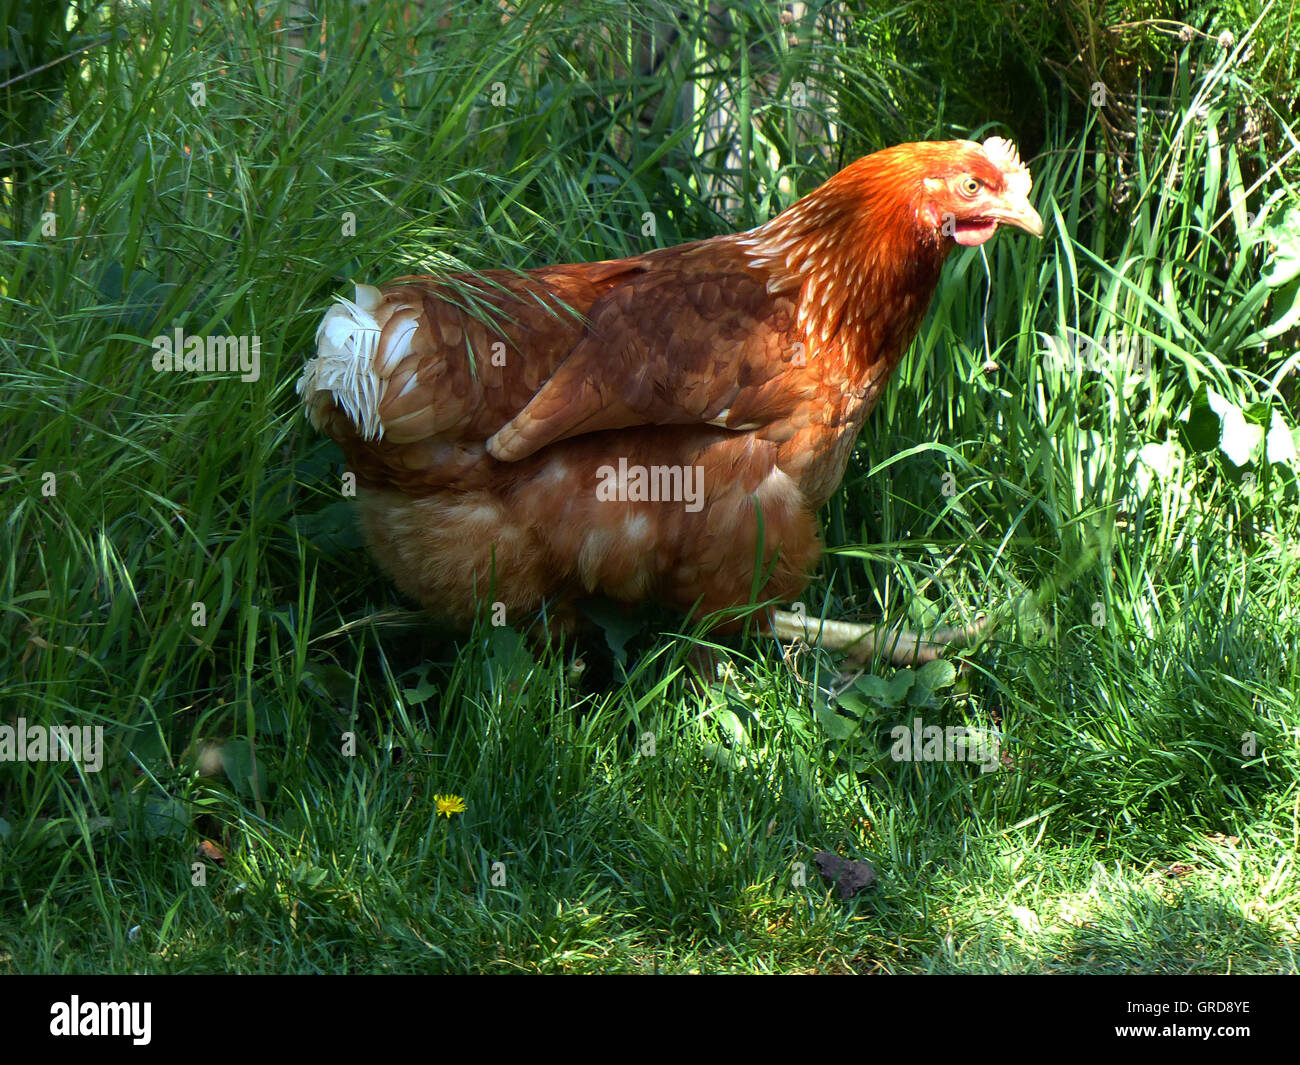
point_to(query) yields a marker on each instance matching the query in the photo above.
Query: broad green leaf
(874, 688)
(332, 530)
(1283, 236)
(240, 766)
(1286, 302)
(1280, 445)
(852, 702)
(165, 817)
(1203, 425)
(1240, 437)
(423, 690)
(935, 675)
(617, 623)
(899, 685)
(332, 683)
(836, 726)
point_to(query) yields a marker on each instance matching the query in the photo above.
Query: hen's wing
(694, 337)
(420, 391)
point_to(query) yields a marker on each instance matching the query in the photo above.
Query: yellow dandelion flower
(448, 805)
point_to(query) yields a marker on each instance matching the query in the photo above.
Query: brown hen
(663, 427)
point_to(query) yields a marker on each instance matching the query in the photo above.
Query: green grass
(1143, 685)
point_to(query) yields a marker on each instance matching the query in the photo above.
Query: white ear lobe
(932, 184)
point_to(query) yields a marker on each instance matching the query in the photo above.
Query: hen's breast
(660, 512)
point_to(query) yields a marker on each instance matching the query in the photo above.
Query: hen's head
(962, 191)
(909, 204)
(864, 250)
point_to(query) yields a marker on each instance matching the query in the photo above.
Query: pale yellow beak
(1015, 210)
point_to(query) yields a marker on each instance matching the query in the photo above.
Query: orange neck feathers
(859, 261)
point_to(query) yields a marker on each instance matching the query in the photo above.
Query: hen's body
(499, 453)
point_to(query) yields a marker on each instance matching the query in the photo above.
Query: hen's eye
(969, 186)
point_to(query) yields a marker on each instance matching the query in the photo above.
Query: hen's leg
(861, 642)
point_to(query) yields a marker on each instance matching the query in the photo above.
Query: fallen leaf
(211, 851)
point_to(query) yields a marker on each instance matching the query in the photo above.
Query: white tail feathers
(347, 343)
